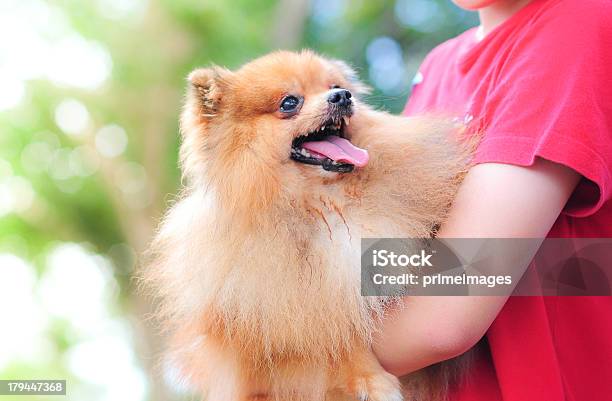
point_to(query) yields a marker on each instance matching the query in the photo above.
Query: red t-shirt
(539, 85)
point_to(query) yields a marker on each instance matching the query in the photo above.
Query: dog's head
(279, 117)
(285, 108)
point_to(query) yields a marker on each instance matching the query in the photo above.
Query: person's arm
(494, 201)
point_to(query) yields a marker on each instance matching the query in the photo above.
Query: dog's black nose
(340, 97)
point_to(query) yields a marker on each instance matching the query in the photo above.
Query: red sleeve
(553, 99)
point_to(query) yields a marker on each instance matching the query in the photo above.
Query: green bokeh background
(60, 194)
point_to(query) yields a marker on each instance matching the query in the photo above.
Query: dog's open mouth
(327, 147)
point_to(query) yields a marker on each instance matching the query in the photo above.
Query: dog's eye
(335, 86)
(289, 104)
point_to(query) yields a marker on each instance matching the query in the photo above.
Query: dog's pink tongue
(339, 149)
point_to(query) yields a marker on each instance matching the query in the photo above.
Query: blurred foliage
(66, 177)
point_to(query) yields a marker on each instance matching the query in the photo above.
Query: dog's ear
(351, 75)
(207, 86)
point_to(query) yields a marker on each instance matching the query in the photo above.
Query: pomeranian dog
(257, 266)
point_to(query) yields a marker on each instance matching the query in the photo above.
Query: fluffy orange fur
(257, 266)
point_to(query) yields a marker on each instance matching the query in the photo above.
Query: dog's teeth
(346, 120)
